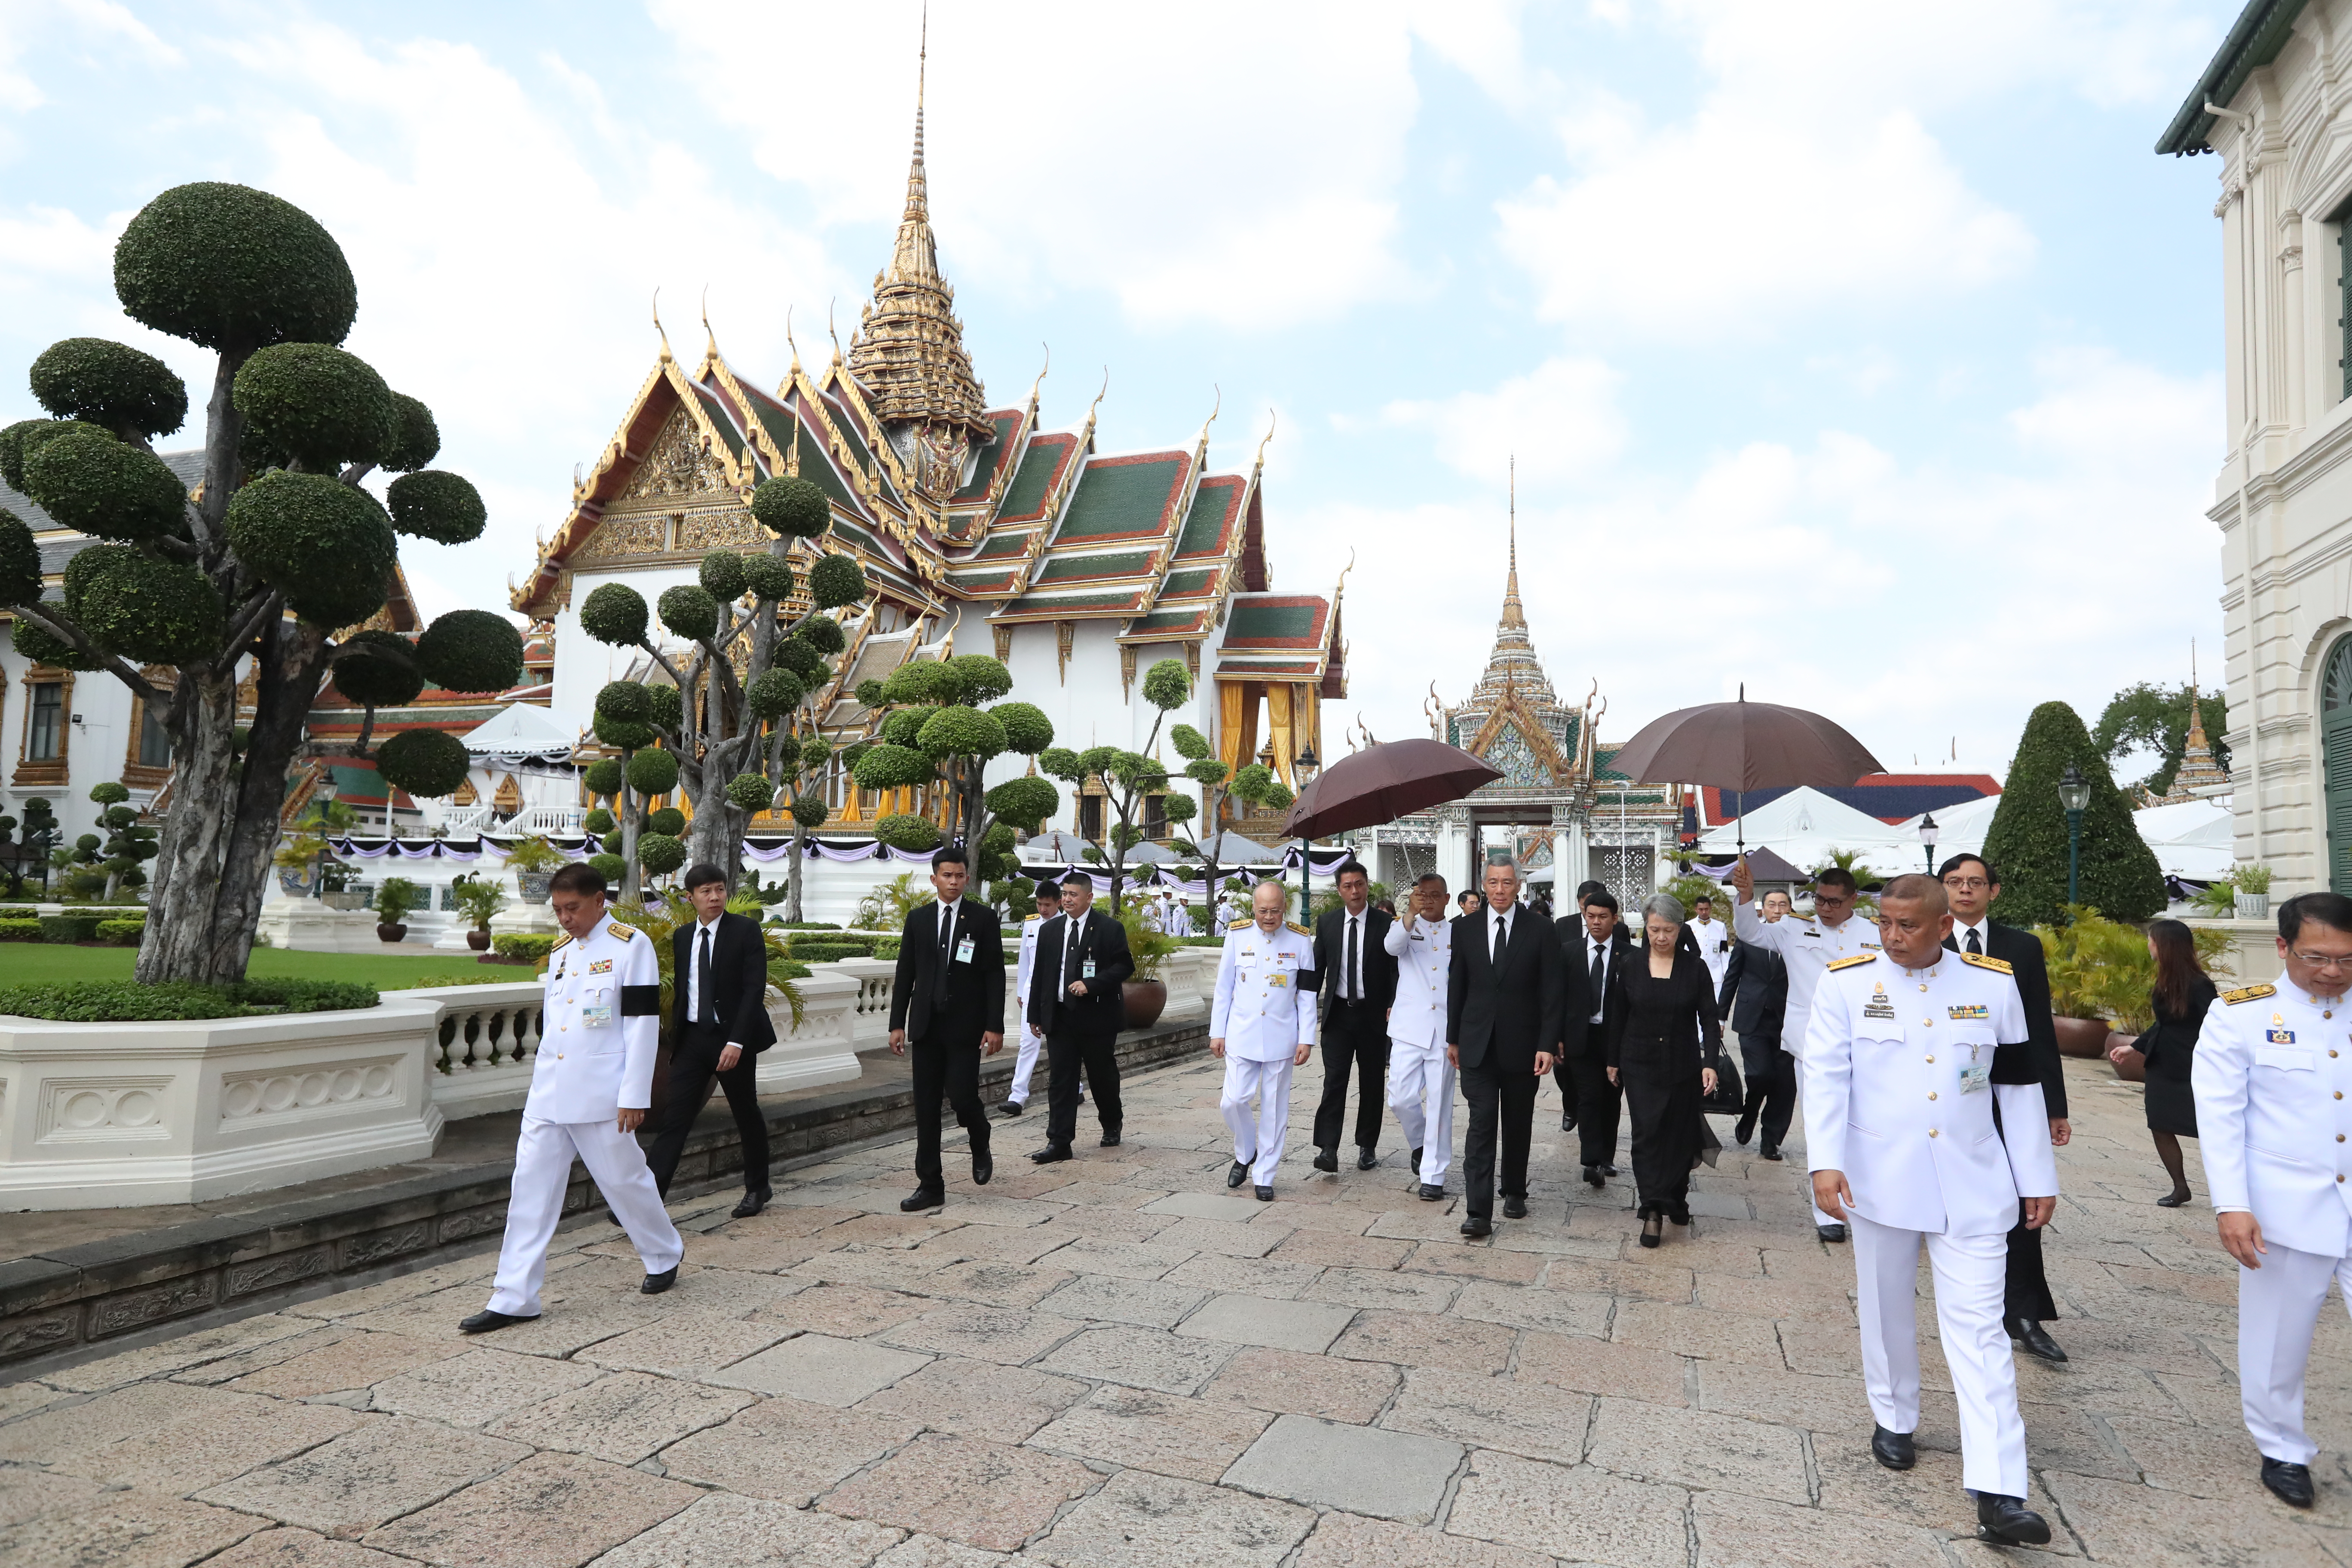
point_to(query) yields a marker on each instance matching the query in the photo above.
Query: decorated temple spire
(1513, 615)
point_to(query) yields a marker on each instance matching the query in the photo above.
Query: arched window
(2336, 762)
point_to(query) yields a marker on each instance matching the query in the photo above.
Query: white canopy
(1804, 825)
(2196, 839)
(521, 730)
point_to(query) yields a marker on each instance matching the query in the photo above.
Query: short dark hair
(2333, 910)
(1600, 895)
(1426, 877)
(1351, 867)
(1953, 863)
(1584, 891)
(1837, 876)
(577, 878)
(1706, 898)
(1049, 888)
(950, 855)
(701, 874)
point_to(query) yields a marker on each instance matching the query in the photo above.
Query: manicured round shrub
(669, 822)
(317, 404)
(626, 700)
(791, 508)
(900, 726)
(869, 693)
(774, 694)
(603, 781)
(416, 439)
(626, 734)
(598, 822)
(796, 654)
(975, 678)
(383, 674)
(893, 767)
(660, 853)
(836, 581)
(20, 561)
(1026, 729)
(470, 651)
(149, 611)
(754, 792)
(615, 614)
(689, 612)
(961, 733)
(432, 504)
(912, 683)
(89, 481)
(904, 830)
(1190, 743)
(328, 545)
(788, 752)
(615, 842)
(769, 576)
(1025, 803)
(653, 772)
(110, 384)
(427, 764)
(665, 709)
(1167, 684)
(722, 575)
(26, 437)
(823, 634)
(41, 648)
(611, 867)
(810, 810)
(232, 267)
(109, 791)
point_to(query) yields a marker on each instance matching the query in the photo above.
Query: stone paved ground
(1113, 1361)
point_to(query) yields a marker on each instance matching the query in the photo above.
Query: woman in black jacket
(1663, 1054)
(2180, 997)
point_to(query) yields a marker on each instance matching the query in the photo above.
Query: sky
(1863, 355)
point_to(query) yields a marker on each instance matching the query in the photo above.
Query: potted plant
(477, 898)
(393, 901)
(534, 861)
(2252, 888)
(1145, 993)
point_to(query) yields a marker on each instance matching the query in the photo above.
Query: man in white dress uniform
(2273, 1067)
(590, 1085)
(1421, 1075)
(1916, 1061)
(1263, 1025)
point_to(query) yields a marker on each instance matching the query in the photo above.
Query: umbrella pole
(1305, 880)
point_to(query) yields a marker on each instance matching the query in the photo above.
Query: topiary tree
(934, 731)
(1255, 784)
(34, 837)
(130, 842)
(254, 571)
(724, 728)
(1127, 778)
(2027, 842)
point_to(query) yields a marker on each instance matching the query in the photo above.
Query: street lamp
(1304, 767)
(1928, 839)
(2074, 794)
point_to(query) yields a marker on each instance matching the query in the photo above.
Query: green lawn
(34, 962)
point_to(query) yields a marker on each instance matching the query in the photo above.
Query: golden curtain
(1278, 720)
(1236, 724)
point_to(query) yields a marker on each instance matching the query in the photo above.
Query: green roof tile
(1122, 496)
(1204, 524)
(720, 419)
(1188, 584)
(1262, 624)
(1005, 423)
(1080, 568)
(1044, 461)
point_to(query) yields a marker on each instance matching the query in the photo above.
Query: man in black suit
(948, 997)
(718, 1026)
(1594, 945)
(1755, 999)
(1505, 1000)
(1076, 1001)
(1970, 886)
(1359, 982)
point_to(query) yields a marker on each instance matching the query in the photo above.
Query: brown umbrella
(1382, 782)
(1744, 745)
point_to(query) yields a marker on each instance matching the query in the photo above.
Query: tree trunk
(291, 665)
(792, 901)
(631, 877)
(194, 840)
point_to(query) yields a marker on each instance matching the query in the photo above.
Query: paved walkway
(1113, 1361)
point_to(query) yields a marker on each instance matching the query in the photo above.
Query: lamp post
(2074, 794)
(1928, 839)
(1305, 767)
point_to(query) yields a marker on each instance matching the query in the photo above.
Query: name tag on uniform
(1973, 1010)
(600, 966)
(1277, 980)
(1086, 969)
(2280, 1036)
(1878, 1010)
(1975, 1077)
(1871, 947)
(598, 1013)
(964, 949)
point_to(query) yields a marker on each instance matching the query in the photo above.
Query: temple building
(980, 529)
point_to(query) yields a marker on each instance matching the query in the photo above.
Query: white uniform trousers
(1258, 1137)
(2278, 1308)
(535, 1202)
(1025, 1064)
(1969, 1273)
(1421, 1093)
(1793, 1025)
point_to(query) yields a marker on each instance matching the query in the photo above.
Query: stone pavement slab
(1196, 1439)
(623, 1418)
(1289, 1382)
(1140, 1358)
(1528, 1418)
(724, 1531)
(1578, 1514)
(1307, 1326)
(552, 1510)
(1697, 1448)
(1346, 1540)
(965, 1489)
(1363, 1469)
(787, 1450)
(346, 1360)
(387, 1467)
(285, 1548)
(1150, 1302)
(230, 1440)
(127, 1529)
(820, 1368)
(978, 1398)
(1141, 1521)
(477, 1388)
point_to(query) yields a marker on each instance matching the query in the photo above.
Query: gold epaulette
(627, 933)
(1987, 961)
(2249, 993)
(1238, 925)
(1031, 917)
(561, 941)
(1857, 958)
(1299, 928)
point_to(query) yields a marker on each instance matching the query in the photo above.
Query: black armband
(2015, 1063)
(640, 1001)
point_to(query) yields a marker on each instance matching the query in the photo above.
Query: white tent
(1960, 829)
(2195, 840)
(522, 729)
(1804, 825)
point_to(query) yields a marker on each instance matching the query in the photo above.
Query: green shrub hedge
(825, 951)
(807, 925)
(18, 912)
(782, 969)
(27, 929)
(522, 944)
(121, 933)
(70, 928)
(124, 1001)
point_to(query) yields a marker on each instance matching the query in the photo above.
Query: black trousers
(1599, 1105)
(1502, 1107)
(2026, 1292)
(693, 1063)
(1565, 1076)
(1067, 1053)
(1355, 1034)
(1771, 1099)
(946, 1065)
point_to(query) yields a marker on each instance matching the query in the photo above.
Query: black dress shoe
(1430, 1192)
(1368, 1160)
(1567, 1122)
(1416, 1161)
(1266, 1194)
(2173, 1200)
(1237, 1176)
(1109, 1140)
(1609, 1170)
(1052, 1153)
(2291, 1484)
(1592, 1176)
(1515, 1208)
(1009, 1108)
(984, 1168)
(611, 1216)
(2035, 1338)
(1744, 1131)
(656, 1283)
(922, 1198)
(2007, 1522)
(1830, 1232)
(1893, 1449)
(753, 1202)
(1476, 1226)
(1769, 1152)
(1327, 1159)
(487, 1322)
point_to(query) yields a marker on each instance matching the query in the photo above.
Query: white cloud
(1561, 421)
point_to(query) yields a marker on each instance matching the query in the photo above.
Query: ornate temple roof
(1513, 665)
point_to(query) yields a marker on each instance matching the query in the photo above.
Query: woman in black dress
(1665, 1055)
(2180, 997)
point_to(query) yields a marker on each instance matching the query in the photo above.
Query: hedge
(70, 928)
(522, 944)
(121, 933)
(825, 951)
(124, 1001)
(782, 969)
(20, 930)
(788, 925)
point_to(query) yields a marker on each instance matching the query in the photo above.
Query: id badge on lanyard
(1975, 1076)
(964, 949)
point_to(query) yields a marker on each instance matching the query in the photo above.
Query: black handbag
(1730, 1096)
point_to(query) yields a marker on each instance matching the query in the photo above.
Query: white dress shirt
(1983, 929)
(1351, 983)
(703, 930)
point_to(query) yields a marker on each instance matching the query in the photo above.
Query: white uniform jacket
(601, 1027)
(1417, 1016)
(1262, 1012)
(1028, 961)
(1898, 1095)
(1714, 940)
(2270, 1073)
(1807, 948)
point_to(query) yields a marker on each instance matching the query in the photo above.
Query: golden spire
(1513, 614)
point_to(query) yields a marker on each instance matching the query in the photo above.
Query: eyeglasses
(2338, 962)
(1967, 884)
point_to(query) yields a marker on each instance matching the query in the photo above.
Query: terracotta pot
(391, 933)
(2081, 1037)
(2133, 1068)
(1146, 1000)
(479, 941)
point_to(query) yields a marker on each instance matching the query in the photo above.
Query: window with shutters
(45, 726)
(2336, 762)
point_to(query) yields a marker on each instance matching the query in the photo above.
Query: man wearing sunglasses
(2273, 1067)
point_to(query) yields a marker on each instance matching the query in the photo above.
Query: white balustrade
(872, 1028)
(486, 1039)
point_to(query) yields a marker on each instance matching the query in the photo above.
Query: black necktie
(947, 947)
(1502, 937)
(1348, 974)
(1069, 954)
(707, 1014)
(1974, 945)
